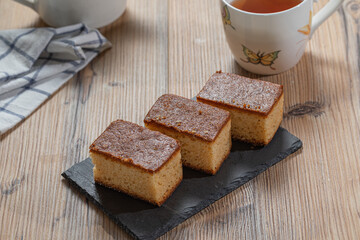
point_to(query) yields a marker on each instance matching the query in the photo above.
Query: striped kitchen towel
(35, 62)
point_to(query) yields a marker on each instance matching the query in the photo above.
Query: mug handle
(29, 3)
(324, 13)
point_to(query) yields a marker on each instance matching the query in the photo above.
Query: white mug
(94, 13)
(274, 42)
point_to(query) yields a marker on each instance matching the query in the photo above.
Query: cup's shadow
(303, 80)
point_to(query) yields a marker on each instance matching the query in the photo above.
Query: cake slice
(256, 106)
(203, 131)
(137, 161)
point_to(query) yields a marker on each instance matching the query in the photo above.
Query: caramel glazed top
(130, 143)
(240, 92)
(188, 116)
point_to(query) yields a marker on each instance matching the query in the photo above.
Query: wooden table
(173, 47)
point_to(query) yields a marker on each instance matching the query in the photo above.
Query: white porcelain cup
(94, 13)
(274, 42)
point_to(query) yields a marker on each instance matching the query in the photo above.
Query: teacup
(94, 13)
(273, 42)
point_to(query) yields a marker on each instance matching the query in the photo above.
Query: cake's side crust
(204, 145)
(220, 163)
(266, 140)
(277, 113)
(117, 188)
(149, 180)
(223, 141)
(184, 151)
(168, 167)
(212, 172)
(169, 193)
(137, 196)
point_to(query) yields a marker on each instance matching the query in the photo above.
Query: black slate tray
(197, 190)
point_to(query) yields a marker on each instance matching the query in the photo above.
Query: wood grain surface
(173, 47)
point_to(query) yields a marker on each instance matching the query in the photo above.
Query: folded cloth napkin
(35, 62)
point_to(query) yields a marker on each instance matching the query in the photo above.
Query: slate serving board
(197, 190)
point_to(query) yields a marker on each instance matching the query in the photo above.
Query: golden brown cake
(203, 131)
(256, 106)
(137, 161)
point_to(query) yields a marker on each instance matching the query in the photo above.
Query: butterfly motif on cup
(226, 17)
(260, 58)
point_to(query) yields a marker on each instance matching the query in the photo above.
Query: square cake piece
(203, 131)
(137, 161)
(256, 106)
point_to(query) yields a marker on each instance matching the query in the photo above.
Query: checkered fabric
(35, 62)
